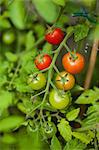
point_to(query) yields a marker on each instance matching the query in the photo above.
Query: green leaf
(10, 122)
(32, 140)
(17, 13)
(8, 139)
(11, 56)
(83, 137)
(88, 97)
(65, 130)
(5, 100)
(4, 23)
(77, 88)
(30, 40)
(74, 144)
(72, 115)
(3, 79)
(55, 144)
(80, 32)
(59, 2)
(47, 9)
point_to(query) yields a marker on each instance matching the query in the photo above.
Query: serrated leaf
(88, 97)
(55, 144)
(47, 9)
(80, 32)
(59, 2)
(10, 122)
(65, 129)
(74, 144)
(72, 115)
(5, 100)
(83, 137)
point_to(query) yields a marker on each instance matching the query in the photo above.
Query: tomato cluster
(73, 63)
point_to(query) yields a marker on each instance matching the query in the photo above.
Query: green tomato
(37, 82)
(8, 37)
(48, 129)
(57, 100)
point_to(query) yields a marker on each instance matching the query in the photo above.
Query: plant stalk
(92, 62)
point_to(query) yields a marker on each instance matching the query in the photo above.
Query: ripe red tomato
(64, 81)
(43, 61)
(72, 65)
(55, 37)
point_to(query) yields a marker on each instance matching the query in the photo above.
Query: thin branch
(92, 62)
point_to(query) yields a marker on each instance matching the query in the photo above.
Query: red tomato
(55, 37)
(72, 65)
(43, 61)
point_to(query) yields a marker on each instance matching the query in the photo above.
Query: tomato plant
(55, 36)
(65, 81)
(48, 93)
(73, 65)
(43, 61)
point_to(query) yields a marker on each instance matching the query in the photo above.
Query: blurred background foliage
(26, 22)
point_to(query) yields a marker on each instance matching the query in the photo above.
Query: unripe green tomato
(48, 129)
(8, 37)
(37, 82)
(57, 100)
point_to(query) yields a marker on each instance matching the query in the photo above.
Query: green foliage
(5, 100)
(10, 123)
(72, 115)
(88, 97)
(55, 144)
(81, 31)
(59, 2)
(23, 111)
(47, 9)
(4, 23)
(74, 144)
(17, 13)
(65, 130)
(84, 137)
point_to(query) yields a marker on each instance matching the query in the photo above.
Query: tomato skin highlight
(43, 61)
(58, 101)
(38, 82)
(55, 37)
(64, 81)
(73, 66)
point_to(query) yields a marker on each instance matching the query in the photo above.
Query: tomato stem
(73, 55)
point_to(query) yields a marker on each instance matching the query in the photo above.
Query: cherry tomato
(37, 82)
(57, 100)
(55, 37)
(48, 129)
(71, 65)
(8, 37)
(43, 61)
(65, 81)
